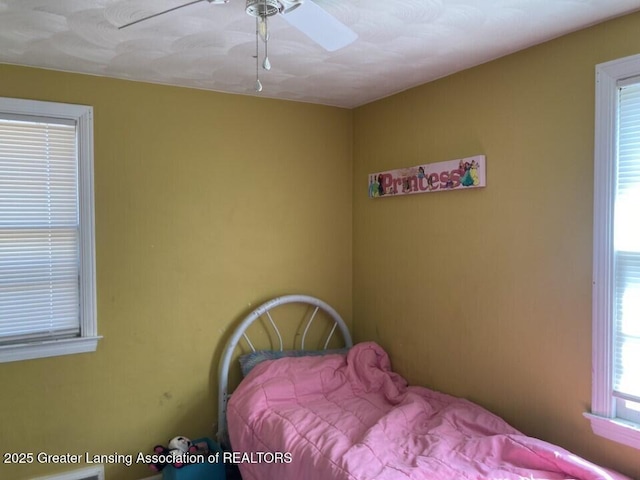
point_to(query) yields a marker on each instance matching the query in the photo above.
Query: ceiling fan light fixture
(312, 20)
(262, 8)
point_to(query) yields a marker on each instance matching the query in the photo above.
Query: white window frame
(82, 115)
(603, 404)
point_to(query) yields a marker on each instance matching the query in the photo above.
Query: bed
(326, 413)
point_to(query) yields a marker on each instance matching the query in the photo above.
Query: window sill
(53, 348)
(617, 430)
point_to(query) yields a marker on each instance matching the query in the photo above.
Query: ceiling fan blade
(148, 17)
(320, 26)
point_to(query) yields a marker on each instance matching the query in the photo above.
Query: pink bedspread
(354, 418)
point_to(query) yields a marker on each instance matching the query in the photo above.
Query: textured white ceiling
(401, 43)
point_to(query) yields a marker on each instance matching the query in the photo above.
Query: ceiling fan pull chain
(266, 64)
(258, 85)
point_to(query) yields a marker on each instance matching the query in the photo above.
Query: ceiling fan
(305, 15)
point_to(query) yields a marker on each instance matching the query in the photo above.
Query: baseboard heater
(89, 473)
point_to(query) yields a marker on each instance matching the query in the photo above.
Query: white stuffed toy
(179, 446)
(173, 455)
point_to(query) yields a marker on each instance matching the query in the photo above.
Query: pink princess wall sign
(461, 174)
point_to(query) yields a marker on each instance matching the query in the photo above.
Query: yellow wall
(487, 293)
(205, 203)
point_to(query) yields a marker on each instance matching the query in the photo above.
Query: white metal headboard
(240, 332)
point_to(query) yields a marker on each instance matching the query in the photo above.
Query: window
(47, 266)
(616, 274)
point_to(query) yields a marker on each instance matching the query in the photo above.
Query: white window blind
(39, 229)
(626, 345)
(47, 248)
